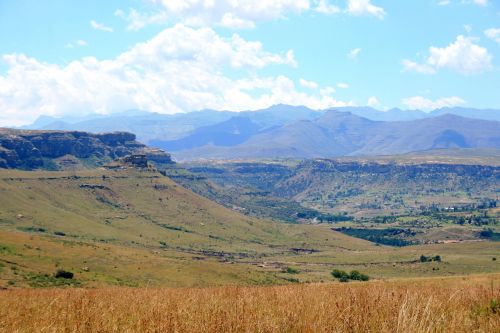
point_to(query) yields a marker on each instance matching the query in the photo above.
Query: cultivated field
(459, 304)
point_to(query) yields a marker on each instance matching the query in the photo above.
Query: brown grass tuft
(431, 305)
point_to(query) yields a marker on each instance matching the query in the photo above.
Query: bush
(343, 276)
(429, 259)
(291, 270)
(338, 274)
(357, 276)
(343, 279)
(63, 274)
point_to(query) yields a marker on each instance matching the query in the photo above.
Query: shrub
(357, 276)
(291, 270)
(343, 276)
(429, 259)
(338, 274)
(60, 273)
(344, 279)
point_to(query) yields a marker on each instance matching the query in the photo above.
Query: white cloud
(364, 7)
(325, 7)
(137, 20)
(412, 66)
(481, 2)
(326, 91)
(342, 85)
(229, 20)
(100, 26)
(493, 33)
(373, 102)
(353, 54)
(180, 69)
(422, 103)
(79, 42)
(228, 13)
(462, 56)
(308, 84)
(238, 14)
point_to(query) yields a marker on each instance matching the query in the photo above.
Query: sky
(67, 58)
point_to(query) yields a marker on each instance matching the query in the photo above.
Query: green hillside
(132, 227)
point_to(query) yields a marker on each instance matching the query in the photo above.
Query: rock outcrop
(29, 149)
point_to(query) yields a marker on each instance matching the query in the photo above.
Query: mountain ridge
(339, 133)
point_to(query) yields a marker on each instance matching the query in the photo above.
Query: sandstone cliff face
(29, 149)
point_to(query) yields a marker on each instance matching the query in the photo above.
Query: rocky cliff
(28, 149)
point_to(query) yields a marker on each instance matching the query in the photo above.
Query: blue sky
(76, 57)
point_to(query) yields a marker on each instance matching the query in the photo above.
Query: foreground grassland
(459, 304)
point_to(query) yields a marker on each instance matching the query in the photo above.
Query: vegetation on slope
(139, 228)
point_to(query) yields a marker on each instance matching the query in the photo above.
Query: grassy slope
(143, 229)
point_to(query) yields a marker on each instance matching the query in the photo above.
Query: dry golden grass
(432, 305)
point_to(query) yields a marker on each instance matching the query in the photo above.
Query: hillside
(132, 227)
(111, 221)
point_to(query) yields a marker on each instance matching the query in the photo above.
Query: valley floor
(456, 304)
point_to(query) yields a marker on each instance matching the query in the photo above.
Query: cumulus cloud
(180, 69)
(493, 33)
(308, 84)
(99, 26)
(325, 7)
(137, 20)
(462, 56)
(342, 85)
(422, 103)
(373, 102)
(242, 14)
(228, 13)
(364, 7)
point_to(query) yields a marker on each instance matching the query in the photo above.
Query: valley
(137, 227)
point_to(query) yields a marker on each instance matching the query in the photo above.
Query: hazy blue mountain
(291, 130)
(227, 133)
(341, 133)
(486, 114)
(150, 126)
(389, 115)
(146, 125)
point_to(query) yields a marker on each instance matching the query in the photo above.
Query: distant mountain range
(345, 134)
(295, 131)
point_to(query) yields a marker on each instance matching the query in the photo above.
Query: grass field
(132, 228)
(459, 304)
